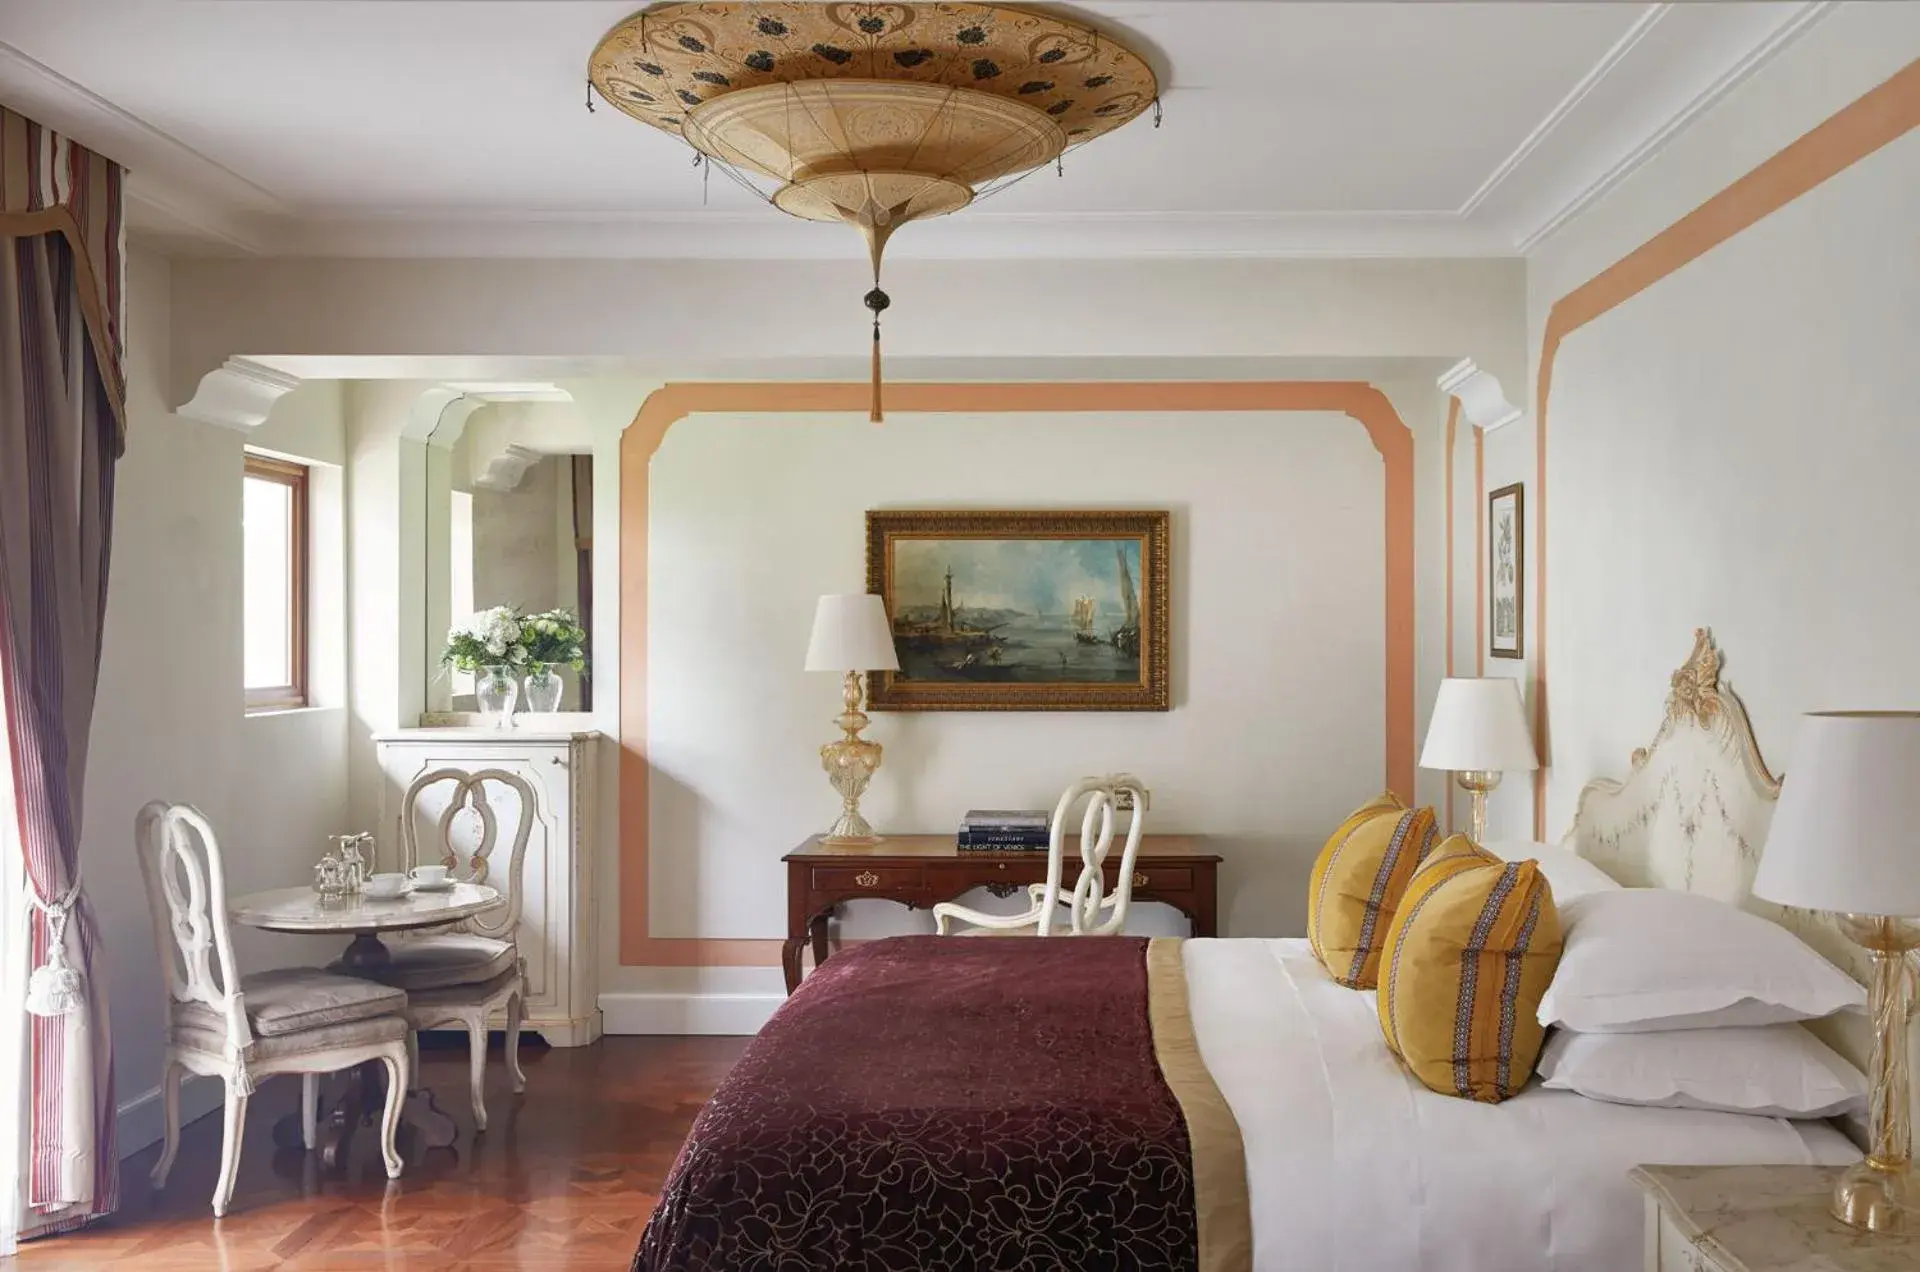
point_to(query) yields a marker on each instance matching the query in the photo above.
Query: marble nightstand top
(1770, 1219)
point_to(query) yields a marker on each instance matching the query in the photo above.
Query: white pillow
(1568, 873)
(1642, 959)
(1768, 1070)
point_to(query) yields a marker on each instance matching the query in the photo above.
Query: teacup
(384, 887)
(430, 876)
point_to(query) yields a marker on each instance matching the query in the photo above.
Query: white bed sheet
(1353, 1166)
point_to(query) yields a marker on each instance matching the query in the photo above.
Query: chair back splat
(1092, 909)
(469, 793)
(186, 884)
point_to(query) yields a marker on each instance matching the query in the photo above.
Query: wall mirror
(509, 507)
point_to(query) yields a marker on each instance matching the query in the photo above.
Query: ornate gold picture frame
(1022, 611)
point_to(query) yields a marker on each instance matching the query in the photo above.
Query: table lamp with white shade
(1478, 731)
(851, 634)
(1845, 838)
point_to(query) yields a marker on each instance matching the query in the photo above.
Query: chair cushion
(376, 1031)
(455, 958)
(292, 1000)
(422, 1003)
(1356, 886)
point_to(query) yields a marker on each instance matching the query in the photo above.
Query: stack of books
(1004, 830)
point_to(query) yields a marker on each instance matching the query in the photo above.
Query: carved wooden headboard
(1692, 814)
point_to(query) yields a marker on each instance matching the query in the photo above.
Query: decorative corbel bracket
(504, 470)
(238, 394)
(1481, 399)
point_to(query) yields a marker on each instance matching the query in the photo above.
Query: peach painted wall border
(1453, 429)
(1363, 402)
(1859, 129)
(1479, 553)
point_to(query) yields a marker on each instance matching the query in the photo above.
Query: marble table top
(304, 910)
(1771, 1219)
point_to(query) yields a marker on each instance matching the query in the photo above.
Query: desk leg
(790, 952)
(819, 933)
(1206, 920)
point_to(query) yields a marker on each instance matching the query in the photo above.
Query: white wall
(170, 722)
(802, 319)
(1735, 447)
(1277, 628)
(515, 552)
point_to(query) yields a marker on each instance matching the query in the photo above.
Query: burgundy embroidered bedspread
(941, 1103)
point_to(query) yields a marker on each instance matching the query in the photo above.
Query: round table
(304, 911)
(307, 913)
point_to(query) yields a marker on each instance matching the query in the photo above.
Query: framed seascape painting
(1506, 573)
(1022, 611)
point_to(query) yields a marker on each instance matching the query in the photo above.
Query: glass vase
(544, 688)
(495, 689)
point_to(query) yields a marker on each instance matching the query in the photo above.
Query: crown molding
(1608, 62)
(238, 394)
(173, 191)
(1675, 120)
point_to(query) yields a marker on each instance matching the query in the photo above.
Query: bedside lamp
(1478, 731)
(851, 634)
(1846, 838)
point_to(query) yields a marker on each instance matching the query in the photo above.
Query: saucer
(378, 896)
(445, 885)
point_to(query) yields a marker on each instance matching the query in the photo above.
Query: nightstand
(1758, 1219)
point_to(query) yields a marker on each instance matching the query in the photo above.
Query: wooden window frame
(295, 477)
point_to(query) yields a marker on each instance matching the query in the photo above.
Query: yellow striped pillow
(1466, 962)
(1383, 803)
(1356, 886)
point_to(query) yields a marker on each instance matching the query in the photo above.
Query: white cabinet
(557, 924)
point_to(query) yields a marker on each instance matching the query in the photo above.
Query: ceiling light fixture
(871, 114)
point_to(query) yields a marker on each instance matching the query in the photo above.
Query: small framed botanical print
(1506, 572)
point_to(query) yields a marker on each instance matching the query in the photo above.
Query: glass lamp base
(1877, 1200)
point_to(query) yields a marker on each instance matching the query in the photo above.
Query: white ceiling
(459, 128)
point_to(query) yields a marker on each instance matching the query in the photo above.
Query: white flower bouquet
(555, 638)
(491, 638)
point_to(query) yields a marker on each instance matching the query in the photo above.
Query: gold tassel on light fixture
(876, 301)
(871, 114)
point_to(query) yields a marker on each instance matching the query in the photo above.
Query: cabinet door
(544, 898)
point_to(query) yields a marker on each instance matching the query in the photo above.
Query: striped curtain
(61, 429)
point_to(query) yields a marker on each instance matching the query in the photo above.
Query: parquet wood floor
(562, 1180)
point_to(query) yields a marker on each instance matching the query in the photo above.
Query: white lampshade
(1478, 724)
(1846, 834)
(851, 633)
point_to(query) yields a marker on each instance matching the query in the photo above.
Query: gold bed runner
(1222, 1212)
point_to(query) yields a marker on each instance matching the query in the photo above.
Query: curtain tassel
(877, 301)
(56, 987)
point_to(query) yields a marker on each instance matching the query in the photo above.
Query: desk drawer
(859, 877)
(1163, 878)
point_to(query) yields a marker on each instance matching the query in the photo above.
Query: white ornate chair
(242, 1029)
(463, 975)
(1089, 900)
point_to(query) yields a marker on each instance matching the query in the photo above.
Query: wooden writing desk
(919, 871)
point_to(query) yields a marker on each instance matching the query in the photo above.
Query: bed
(933, 1103)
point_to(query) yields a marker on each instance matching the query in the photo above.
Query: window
(274, 597)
